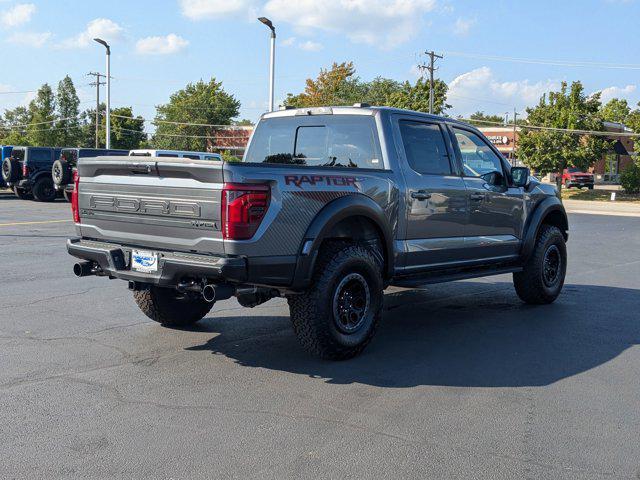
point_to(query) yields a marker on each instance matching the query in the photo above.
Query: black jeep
(28, 172)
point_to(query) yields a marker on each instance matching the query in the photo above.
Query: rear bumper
(115, 260)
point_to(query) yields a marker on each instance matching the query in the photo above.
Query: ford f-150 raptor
(329, 206)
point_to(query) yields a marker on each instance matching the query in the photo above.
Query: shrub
(630, 178)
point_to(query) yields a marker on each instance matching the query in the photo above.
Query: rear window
(138, 154)
(18, 154)
(69, 155)
(92, 153)
(573, 170)
(320, 141)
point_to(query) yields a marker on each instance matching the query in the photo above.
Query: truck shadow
(460, 334)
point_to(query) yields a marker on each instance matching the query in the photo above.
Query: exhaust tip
(83, 269)
(209, 293)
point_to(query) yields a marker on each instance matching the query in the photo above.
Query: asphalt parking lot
(461, 381)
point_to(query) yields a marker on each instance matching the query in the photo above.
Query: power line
(560, 63)
(431, 69)
(555, 129)
(235, 127)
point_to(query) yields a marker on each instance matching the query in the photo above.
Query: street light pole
(108, 99)
(272, 60)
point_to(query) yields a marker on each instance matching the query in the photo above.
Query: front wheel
(43, 190)
(170, 307)
(542, 278)
(337, 317)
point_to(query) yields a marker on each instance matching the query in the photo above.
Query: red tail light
(25, 170)
(74, 198)
(243, 208)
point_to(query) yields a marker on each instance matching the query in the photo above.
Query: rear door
(496, 210)
(161, 203)
(435, 194)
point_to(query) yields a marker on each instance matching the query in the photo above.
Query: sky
(498, 55)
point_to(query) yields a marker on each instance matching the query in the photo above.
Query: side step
(442, 276)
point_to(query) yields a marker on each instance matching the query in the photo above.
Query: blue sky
(159, 46)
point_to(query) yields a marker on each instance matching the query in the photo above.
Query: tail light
(243, 208)
(25, 170)
(74, 198)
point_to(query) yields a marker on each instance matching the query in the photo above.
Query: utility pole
(97, 84)
(515, 123)
(431, 68)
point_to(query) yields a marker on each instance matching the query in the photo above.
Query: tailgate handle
(140, 168)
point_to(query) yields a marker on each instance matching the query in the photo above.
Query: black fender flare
(42, 173)
(546, 207)
(348, 206)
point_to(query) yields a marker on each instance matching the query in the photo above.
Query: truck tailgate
(162, 203)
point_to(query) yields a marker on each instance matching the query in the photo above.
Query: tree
(199, 103)
(69, 133)
(127, 131)
(481, 120)
(340, 86)
(548, 151)
(12, 129)
(616, 110)
(42, 110)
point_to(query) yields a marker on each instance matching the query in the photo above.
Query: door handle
(421, 195)
(477, 196)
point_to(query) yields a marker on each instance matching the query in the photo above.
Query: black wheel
(21, 194)
(337, 317)
(67, 195)
(10, 170)
(43, 190)
(61, 172)
(543, 276)
(170, 307)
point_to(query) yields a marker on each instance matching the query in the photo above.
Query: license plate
(144, 261)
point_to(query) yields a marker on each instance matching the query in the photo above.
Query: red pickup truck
(574, 177)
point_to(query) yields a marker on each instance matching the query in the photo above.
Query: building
(232, 139)
(606, 169)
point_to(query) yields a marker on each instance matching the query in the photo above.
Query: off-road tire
(61, 172)
(21, 194)
(171, 308)
(312, 313)
(10, 169)
(43, 190)
(531, 284)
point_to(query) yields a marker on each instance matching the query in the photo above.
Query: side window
(477, 157)
(425, 148)
(39, 156)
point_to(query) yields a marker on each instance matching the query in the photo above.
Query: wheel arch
(551, 212)
(354, 217)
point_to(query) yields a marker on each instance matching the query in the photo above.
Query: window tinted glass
(37, 155)
(138, 154)
(573, 170)
(477, 157)
(425, 148)
(194, 157)
(319, 140)
(172, 155)
(69, 155)
(18, 154)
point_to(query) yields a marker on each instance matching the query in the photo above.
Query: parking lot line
(33, 223)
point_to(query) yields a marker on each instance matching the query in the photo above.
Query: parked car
(575, 177)
(5, 152)
(28, 172)
(175, 153)
(328, 207)
(63, 168)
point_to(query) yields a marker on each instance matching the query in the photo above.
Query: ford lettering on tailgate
(144, 206)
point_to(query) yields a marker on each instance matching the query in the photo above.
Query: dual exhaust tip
(210, 292)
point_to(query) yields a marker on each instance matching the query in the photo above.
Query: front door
(435, 195)
(496, 210)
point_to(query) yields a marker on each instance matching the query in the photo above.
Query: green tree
(127, 130)
(88, 127)
(548, 151)
(482, 120)
(42, 131)
(69, 133)
(615, 110)
(200, 103)
(12, 129)
(416, 97)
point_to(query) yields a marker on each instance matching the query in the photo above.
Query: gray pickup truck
(329, 207)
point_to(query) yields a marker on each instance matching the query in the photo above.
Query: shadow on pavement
(459, 334)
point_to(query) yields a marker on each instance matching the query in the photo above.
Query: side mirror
(520, 176)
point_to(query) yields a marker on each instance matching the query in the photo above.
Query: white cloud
(288, 42)
(207, 9)
(310, 46)
(463, 26)
(168, 44)
(18, 15)
(98, 28)
(386, 23)
(608, 93)
(479, 89)
(30, 39)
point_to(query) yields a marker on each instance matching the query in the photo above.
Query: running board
(450, 276)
